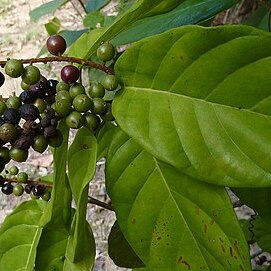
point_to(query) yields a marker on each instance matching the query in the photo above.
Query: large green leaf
(81, 169)
(87, 44)
(46, 8)
(199, 99)
(172, 221)
(188, 12)
(19, 236)
(120, 250)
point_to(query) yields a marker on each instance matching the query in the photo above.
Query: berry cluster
(22, 184)
(31, 119)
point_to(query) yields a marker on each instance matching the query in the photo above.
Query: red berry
(56, 45)
(70, 74)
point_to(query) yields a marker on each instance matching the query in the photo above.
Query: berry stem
(63, 59)
(31, 181)
(100, 203)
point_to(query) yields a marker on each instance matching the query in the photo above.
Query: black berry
(7, 188)
(2, 79)
(11, 115)
(29, 112)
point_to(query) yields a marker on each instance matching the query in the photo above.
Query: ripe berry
(18, 155)
(29, 112)
(18, 190)
(7, 188)
(76, 89)
(69, 74)
(28, 188)
(22, 177)
(2, 164)
(110, 82)
(11, 115)
(82, 103)
(38, 190)
(92, 121)
(74, 120)
(56, 45)
(98, 106)
(14, 68)
(106, 51)
(2, 79)
(96, 90)
(13, 170)
(13, 102)
(27, 97)
(2, 180)
(31, 75)
(39, 89)
(8, 132)
(40, 143)
(49, 131)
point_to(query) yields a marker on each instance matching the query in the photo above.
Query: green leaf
(120, 250)
(188, 12)
(172, 221)
(53, 26)
(140, 9)
(81, 169)
(19, 236)
(262, 232)
(94, 5)
(46, 8)
(93, 18)
(256, 198)
(203, 107)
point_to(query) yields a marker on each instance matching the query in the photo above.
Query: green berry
(96, 90)
(110, 82)
(31, 75)
(14, 68)
(13, 170)
(106, 51)
(92, 121)
(3, 107)
(18, 190)
(40, 104)
(74, 120)
(8, 132)
(22, 177)
(76, 89)
(98, 106)
(46, 196)
(82, 103)
(13, 102)
(4, 154)
(34, 197)
(40, 143)
(62, 86)
(63, 107)
(24, 86)
(63, 95)
(57, 140)
(18, 155)
(107, 115)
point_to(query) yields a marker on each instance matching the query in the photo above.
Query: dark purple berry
(56, 45)
(38, 190)
(2, 121)
(39, 89)
(7, 188)
(28, 188)
(2, 79)
(29, 112)
(69, 74)
(27, 97)
(2, 180)
(11, 115)
(49, 131)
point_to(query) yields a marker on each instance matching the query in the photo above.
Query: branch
(31, 181)
(100, 203)
(64, 59)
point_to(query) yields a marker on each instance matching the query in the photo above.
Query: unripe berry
(74, 120)
(106, 51)
(14, 68)
(110, 82)
(18, 190)
(18, 155)
(31, 75)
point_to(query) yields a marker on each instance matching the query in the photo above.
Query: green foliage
(192, 116)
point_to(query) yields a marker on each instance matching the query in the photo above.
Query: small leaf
(214, 128)
(120, 250)
(172, 221)
(46, 8)
(53, 26)
(19, 236)
(93, 18)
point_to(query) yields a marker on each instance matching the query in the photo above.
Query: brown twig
(31, 182)
(100, 203)
(64, 59)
